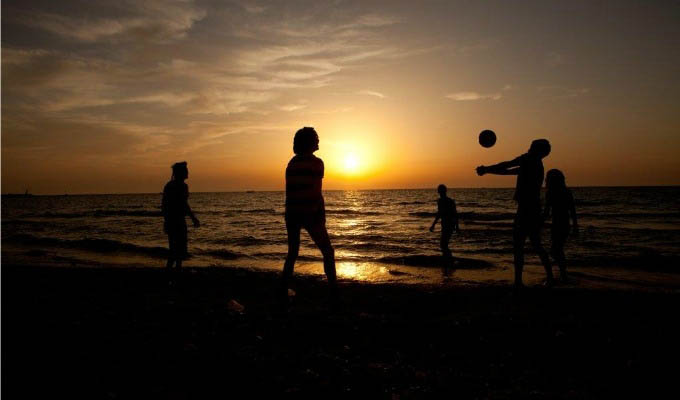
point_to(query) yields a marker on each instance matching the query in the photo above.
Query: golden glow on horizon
(76, 119)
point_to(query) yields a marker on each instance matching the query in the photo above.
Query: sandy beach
(125, 333)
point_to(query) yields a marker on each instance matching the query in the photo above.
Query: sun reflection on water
(351, 270)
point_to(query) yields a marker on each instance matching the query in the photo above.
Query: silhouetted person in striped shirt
(528, 221)
(305, 206)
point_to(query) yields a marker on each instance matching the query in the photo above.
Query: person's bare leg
(518, 239)
(447, 257)
(535, 238)
(557, 251)
(293, 251)
(168, 270)
(319, 235)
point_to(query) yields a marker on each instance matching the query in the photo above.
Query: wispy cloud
(293, 106)
(159, 21)
(371, 93)
(473, 96)
(562, 92)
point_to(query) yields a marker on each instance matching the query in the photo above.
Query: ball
(487, 138)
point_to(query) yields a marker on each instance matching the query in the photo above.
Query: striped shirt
(303, 185)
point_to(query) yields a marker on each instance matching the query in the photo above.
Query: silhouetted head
(554, 180)
(306, 141)
(441, 189)
(540, 148)
(180, 170)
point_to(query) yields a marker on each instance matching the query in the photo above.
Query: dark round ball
(487, 138)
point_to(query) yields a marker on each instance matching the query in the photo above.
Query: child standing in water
(560, 201)
(305, 206)
(446, 211)
(175, 208)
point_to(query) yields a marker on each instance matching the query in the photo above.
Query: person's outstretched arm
(504, 168)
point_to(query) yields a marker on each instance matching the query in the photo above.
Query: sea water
(377, 234)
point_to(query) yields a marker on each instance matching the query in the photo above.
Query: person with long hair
(559, 202)
(305, 207)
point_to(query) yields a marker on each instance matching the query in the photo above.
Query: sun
(352, 163)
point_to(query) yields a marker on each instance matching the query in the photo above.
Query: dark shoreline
(123, 333)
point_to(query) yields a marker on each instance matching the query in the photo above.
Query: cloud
(292, 107)
(159, 21)
(167, 78)
(371, 93)
(562, 92)
(254, 9)
(473, 96)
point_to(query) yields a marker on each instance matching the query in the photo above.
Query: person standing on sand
(446, 211)
(175, 208)
(528, 220)
(560, 201)
(305, 207)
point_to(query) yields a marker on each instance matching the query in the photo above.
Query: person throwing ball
(305, 207)
(528, 220)
(446, 211)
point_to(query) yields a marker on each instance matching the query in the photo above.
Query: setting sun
(352, 164)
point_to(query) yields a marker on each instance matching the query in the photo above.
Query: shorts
(528, 222)
(314, 224)
(307, 220)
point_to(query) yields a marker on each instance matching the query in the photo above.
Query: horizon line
(331, 190)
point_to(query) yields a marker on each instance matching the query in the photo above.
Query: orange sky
(103, 98)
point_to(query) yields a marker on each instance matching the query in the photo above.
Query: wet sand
(125, 333)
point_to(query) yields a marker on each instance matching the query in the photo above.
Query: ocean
(378, 235)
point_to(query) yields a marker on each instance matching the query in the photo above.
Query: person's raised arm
(503, 168)
(508, 171)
